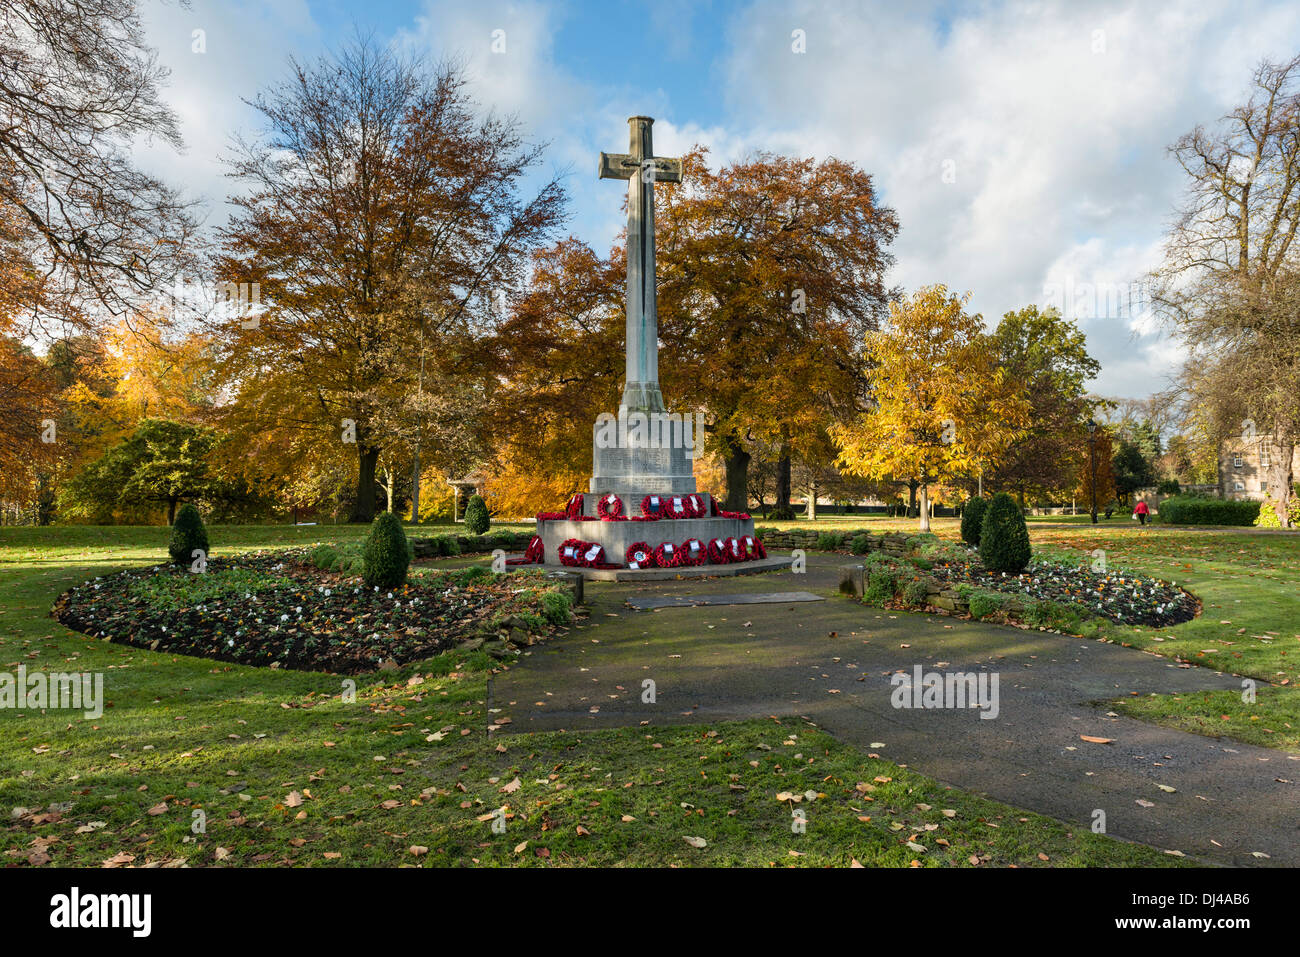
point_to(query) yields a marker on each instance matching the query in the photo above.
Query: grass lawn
(285, 770)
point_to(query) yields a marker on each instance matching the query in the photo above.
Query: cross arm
(624, 166)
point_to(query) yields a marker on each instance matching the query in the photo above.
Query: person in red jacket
(1142, 511)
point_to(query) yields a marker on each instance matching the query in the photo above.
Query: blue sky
(1022, 144)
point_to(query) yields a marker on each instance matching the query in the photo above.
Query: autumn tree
(560, 354)
(384, 225)
(1048, 356)
(1096, 478)
(1228, 282)
(940, 404)
(771, 271)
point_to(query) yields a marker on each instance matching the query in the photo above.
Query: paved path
(722, 663)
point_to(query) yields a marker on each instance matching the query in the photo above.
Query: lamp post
(1092, 467)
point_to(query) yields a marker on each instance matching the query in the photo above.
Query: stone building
(1244, 465)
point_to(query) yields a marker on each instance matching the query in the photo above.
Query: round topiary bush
(188, 534)
(972, 520)
(1004, 539)
(476, 515)
(385, 557)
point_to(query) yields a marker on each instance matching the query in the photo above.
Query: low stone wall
(893, 544)
(471, 544)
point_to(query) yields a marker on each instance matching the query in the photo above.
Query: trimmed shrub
(1195, 510)
(1004, 539)
(860, 544)
(324, 557)
(1169, 487)
(188, 534)
(476, 515)
(972, 520)
(385, 558)
(782, 513)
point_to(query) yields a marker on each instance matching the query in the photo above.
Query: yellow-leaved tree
(941, 407)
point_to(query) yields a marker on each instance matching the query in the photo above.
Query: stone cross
(642, 169)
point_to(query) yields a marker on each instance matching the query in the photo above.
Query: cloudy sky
(1024, 145)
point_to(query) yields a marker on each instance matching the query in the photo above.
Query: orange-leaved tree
(939, 403)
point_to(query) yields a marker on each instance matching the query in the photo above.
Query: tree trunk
(171, 511)
(364, 510)
(1280, 479)
(912, 486)
(737, 465)
(925, 508)
(812, 500)
(783, 481)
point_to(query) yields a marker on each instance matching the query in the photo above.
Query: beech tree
(771, 272)
(940, 404)
(384, 226)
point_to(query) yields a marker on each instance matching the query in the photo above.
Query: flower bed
(276, 610)
(1116, 595)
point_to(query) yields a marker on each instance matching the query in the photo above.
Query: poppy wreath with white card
(719, 554)
(668, 555)
(652, 505)
(736, 550)
(675, 506)
(574, 508)
(693, 552)
(571, 552)
(695, 507)
(535, 550)
(640, 555)
(609, 507)
(757, 549)
(592, 554)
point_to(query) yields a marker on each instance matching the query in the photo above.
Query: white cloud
(1057, 133)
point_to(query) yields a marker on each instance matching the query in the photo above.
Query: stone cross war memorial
(642, 516)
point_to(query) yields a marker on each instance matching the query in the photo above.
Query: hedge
(1194, 510)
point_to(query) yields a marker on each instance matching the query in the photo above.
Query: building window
(1237, 462)
(1238, 486)
(1264, 460)
(1263, 486)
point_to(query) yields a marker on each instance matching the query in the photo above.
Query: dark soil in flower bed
(269, 610)
(1120, 596)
